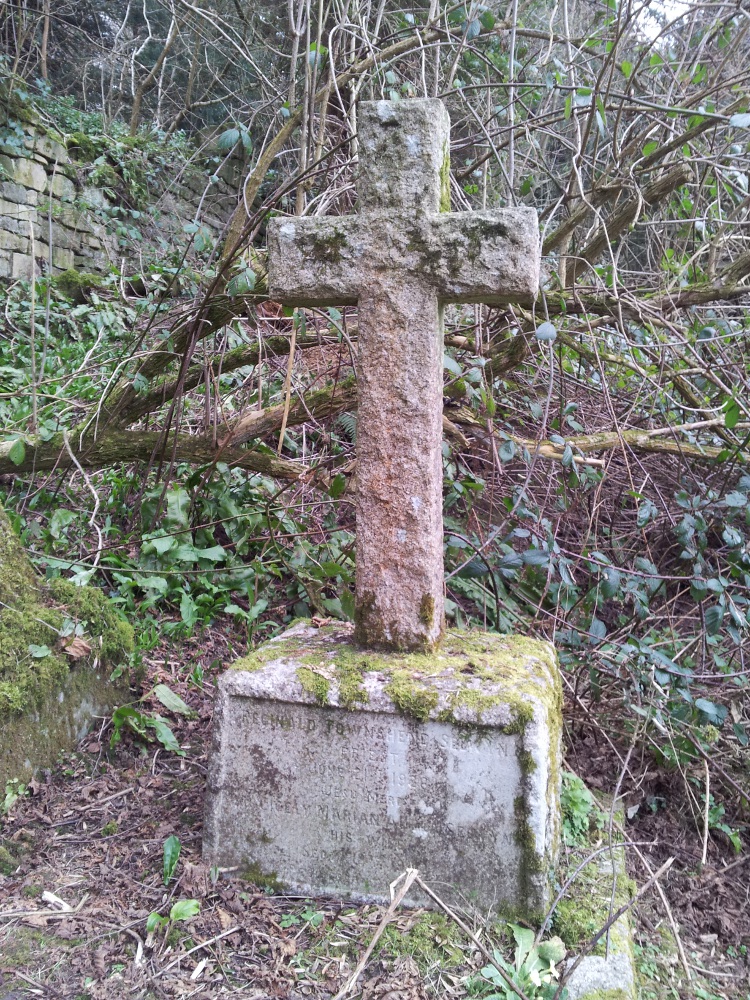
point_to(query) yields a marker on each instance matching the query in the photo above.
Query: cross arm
(315, 261)
(486, 256)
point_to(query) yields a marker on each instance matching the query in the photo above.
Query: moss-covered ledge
(52, 680)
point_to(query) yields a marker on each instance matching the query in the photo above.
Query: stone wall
(53, 220)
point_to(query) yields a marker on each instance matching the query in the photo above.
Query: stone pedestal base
(333, 768)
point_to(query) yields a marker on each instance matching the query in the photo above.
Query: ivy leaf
(731, 413)
(39, 652)
(228, 140)
(715, 713)
(647, 511)
(347, 604)
(477, 567)
(17, 451)
(450, 364)
(535, 557)
(242, 284)
(597, 631)
(546, 332)
(714, 617)
(698, 589)
(736, 499)
(487, 19)
(337, 487)
(610, 582)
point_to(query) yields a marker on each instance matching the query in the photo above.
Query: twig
(477, 943)
(47, 914)
(409, 876)
(704, 854)
(204, 944)
(287, 387)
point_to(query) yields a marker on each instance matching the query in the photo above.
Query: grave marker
(400, 260)
(342, 756)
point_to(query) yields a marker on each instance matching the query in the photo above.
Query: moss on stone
(8, 862)
(412, 696)
(476, 660)
(586, 906)
(351, 690)
(252, 872)
(17, 579)
(314, 683)
(445, 180)
(85, 147)
(31, 620)
(77, 284)
(427, 609)
(91, 608)
(432, 941)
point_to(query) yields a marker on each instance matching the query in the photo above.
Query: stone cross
(400, 260)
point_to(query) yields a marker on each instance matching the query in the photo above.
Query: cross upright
(400, 259)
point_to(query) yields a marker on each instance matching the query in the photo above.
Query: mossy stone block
(48, 697)
(335, 767)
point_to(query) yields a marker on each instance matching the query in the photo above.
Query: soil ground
(92, 831)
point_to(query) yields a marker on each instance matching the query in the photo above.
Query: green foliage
(577, 806)
(533, 969)
(172, 848)
(14, 790)
(181, 911)
(144, 723)
(307, 916)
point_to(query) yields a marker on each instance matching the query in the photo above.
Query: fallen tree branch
(624, 216)
(117, 446)
(649, 440)
(221, 364)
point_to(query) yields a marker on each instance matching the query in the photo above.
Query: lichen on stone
(329, 247)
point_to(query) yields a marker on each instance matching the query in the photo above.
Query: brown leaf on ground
(75, 647)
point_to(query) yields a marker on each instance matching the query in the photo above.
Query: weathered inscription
(338, 788)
